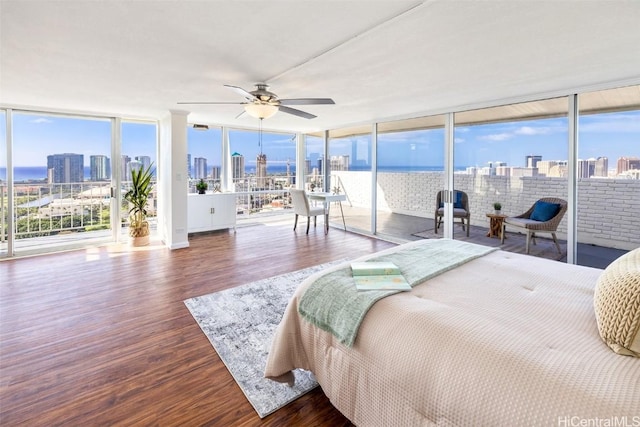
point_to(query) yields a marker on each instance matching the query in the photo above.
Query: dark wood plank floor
(102, 337)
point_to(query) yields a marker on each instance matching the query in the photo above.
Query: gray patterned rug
(240, 323)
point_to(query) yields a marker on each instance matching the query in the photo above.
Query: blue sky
(612, 135)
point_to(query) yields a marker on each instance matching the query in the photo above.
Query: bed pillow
(617, 304)
(544, 211)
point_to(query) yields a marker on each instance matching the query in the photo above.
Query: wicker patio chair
(460, 209)
(532, 226)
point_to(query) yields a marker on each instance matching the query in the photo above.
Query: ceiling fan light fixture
(261, 111)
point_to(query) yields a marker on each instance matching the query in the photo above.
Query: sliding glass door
(410, 172)
(512, 155)
(608, 175)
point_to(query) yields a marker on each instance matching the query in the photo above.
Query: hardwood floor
(101, 336)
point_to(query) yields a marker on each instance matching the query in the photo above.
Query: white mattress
(505, 339)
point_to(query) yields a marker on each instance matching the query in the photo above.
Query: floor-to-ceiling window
(349, 168)
(4, 200)
(204, 158)
(608, 174)
(138, 150)
(263, 168)
(314, 163)
(62, 179)
(410, 171)
(65, 185)
(512, 155)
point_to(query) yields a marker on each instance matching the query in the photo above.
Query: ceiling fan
(262, 104)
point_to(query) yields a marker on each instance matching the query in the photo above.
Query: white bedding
(505, 339)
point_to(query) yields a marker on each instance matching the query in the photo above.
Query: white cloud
(496, 137)
(458, 140)
(528, 130)
(41, 120)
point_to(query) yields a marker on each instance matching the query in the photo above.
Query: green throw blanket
(333, 304)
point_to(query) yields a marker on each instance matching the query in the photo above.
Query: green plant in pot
(201, 186)
(497, 206)
(138, 196)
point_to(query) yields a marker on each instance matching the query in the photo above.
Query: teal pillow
(544, 211)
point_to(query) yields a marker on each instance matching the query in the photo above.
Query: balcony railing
(51, 209)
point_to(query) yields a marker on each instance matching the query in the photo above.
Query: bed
(502, 339)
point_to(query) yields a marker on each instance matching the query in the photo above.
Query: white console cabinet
(211, 212)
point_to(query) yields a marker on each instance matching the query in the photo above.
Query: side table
(495, 224)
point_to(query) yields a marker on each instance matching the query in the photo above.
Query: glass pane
(410, 173)
(264, 166)
(608, 175)
(513, 155)
(138, 150)
(204, 158)
(314, 163)
(350, 174)
(4, 200)
(58, 200)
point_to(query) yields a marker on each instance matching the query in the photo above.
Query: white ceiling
(377, 59)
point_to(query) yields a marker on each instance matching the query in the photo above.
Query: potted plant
(201, 186)
(138, 196)
(497, 207)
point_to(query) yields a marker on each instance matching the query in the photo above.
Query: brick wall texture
(608, 209)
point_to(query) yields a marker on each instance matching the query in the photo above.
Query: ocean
(39, 173)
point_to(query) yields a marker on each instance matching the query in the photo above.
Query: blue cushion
(544, 211)
(457, 204)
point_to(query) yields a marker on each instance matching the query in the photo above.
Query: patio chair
(301, 207)
(543, 217)
(460, 209)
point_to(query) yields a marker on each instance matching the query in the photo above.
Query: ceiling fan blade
(306, 101)
(296, 112)
(242, 92)
(210, 102)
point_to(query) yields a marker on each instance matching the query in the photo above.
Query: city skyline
(611, 135)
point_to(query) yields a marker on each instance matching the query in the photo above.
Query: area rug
(240, 323)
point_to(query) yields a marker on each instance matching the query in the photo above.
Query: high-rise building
(215, 172)
(189, 166)
(531, 161)
(145, 160)
(544, 166)
(586, 168)
(125, 173)
(131, 166)
(261, 170)
(200, 168)
(65, 168)
(627, 163)
(339, 163)
(100, 167)
(237, 165)
(601, 167)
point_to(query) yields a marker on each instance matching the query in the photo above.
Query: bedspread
(333, 303)
(505, 339)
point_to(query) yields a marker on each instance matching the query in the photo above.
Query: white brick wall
(608, 209)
